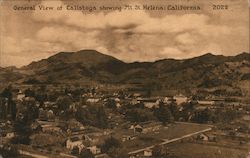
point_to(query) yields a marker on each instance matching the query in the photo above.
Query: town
(71, 121)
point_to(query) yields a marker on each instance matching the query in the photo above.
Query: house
(6, 131)
(146, 127)
(203, 137)
(35, 126)
(20, 96)
(118, 105)
(219, 101)
(134, 101)
(94, 150)
(128, 137)
(93, 138)
(74, 142)
(75, 131)
(50, 128)
(117, 100)
(149, 102)
(75, 126)
(180, 99)
(48, 104)
(9, 135)
(147, 153)
(138, 128)
(168, 100)
(50, 115)
(136, 95)
(206, 102)
(92, 100)
(42, 114)
(207, 137)
(151, 127)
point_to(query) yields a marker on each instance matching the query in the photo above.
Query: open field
(193, 150)
(165, 133)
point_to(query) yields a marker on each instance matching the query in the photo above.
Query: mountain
(10, 74)
(90, 66)
(84, 65)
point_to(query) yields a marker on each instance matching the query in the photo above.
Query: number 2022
(220, 7)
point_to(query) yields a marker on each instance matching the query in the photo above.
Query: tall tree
(163, 113)
(101, 117)
(110, 143)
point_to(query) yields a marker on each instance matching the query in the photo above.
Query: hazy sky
(136, 35)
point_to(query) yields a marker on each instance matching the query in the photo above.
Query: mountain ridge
(86, 66)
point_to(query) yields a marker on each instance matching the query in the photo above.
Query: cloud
(141, 21)
(89, 21)
(135, 35)
(74, 39)
(171, 53)
(185, 38)
(18, 51)
(171, 23)
(212, 47)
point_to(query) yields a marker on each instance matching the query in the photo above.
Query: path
(170, 141)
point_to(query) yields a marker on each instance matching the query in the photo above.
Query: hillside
(86, 66)
(10, 74)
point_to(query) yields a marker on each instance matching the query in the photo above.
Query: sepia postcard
(124, 79)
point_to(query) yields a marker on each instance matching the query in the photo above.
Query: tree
(46, 140)
(101, 117)
(27, 114)
(41, 97)
(29, 109)
(92, 115)
(29, 93)
(202, 116)
(8, 151)
(3, 108)
(86, 154)
(139, 115)
(162, 152)
(110, 143)
(187, 110)
(117, 153)
(6, 93)
(10, 109)
(148, 92)
(75, 151)
(163, 113)
(159, 152)
(64, 102)
(225, 116)
(23, 132)
(13, 110)
(110, 103)
(174, 110)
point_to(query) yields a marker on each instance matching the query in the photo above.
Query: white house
(94, 150)
(20, 96)
(180, 99)
(9, 135)
(203, 137)
(92, 100)
(147, 153)
(206, 102)
(74, 142)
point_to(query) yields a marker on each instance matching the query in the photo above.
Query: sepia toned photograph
(124, 79)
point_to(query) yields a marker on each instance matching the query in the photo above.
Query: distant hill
(78, 66)
(10, 74)
(206, 71)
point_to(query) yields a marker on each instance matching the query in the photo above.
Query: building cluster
(47, 110)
